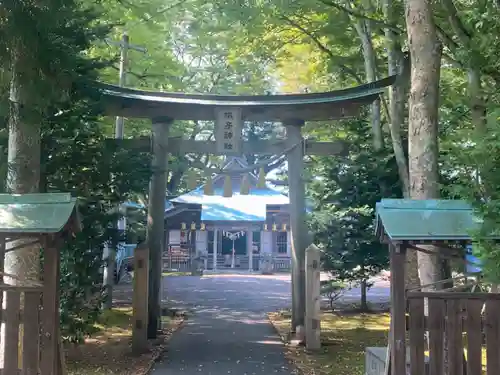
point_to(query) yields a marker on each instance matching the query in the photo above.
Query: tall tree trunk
(24, 170)
(364, 300)
(465, 39)
(478, 107)
(398, 94)
(23, 177)
(425, 53)
(363, 28)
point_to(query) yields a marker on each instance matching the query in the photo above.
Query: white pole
(109, 269)
(214, 267)
(124, 46)
(250, 249)
(232, 260)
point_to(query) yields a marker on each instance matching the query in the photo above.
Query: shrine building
(238, 211)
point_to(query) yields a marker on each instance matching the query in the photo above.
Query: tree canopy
(419, 142)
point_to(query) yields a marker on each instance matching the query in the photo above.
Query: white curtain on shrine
(266, 242)
(201, 242)
(288, 243)
(174, 237)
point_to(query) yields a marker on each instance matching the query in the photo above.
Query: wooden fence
(22, 331)
(469, 321)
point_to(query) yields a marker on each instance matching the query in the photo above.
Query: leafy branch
(323, 48)
(354, 13)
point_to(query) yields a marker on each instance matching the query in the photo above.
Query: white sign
(228, 124)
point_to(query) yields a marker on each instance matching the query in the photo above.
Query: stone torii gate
(229, 113)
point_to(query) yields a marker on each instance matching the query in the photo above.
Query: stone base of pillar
(299, 337)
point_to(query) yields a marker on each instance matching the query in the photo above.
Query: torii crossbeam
(229, 113)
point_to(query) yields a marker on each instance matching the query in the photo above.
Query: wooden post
(297, 220)
(50, 311)
(2, 261)
(398, 309)
(61, 361)
(140, 300)
(313, 299)
(156, 215)
(13, 304)
(31, 333)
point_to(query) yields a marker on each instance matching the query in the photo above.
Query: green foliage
(333, 290)
(48, 42)
(269, 46)
(344, 195)
(43, 42)
(102, 177)
(243, 48)
(476, 178)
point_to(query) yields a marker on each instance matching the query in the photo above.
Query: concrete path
(227, 331)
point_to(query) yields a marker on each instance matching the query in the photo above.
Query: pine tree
(345, 193)
(45, 51)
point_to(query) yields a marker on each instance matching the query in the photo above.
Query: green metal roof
(35, 213)
(425, 220)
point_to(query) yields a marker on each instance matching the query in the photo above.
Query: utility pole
(124, 45)
(122, 80)
(109, 270)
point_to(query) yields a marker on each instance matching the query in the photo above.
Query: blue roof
(251, 207)
(130, 204)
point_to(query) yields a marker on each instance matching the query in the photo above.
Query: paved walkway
(227, 331)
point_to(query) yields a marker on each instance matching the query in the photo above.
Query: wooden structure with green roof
(42, 220)
(229, 114)
(431, 221)
(407, 225)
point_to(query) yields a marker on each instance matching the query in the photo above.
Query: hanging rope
(259, 165)
(233, 236)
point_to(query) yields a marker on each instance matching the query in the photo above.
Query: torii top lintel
(331, 105)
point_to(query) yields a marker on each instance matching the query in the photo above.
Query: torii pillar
(155, 225)
(299, 232)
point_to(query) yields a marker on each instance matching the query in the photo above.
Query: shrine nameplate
(228, 124)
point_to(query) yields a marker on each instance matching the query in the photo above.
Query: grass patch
(344, 340)
(176, 273)
(108, 352)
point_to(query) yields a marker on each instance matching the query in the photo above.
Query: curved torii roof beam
(331, 105)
